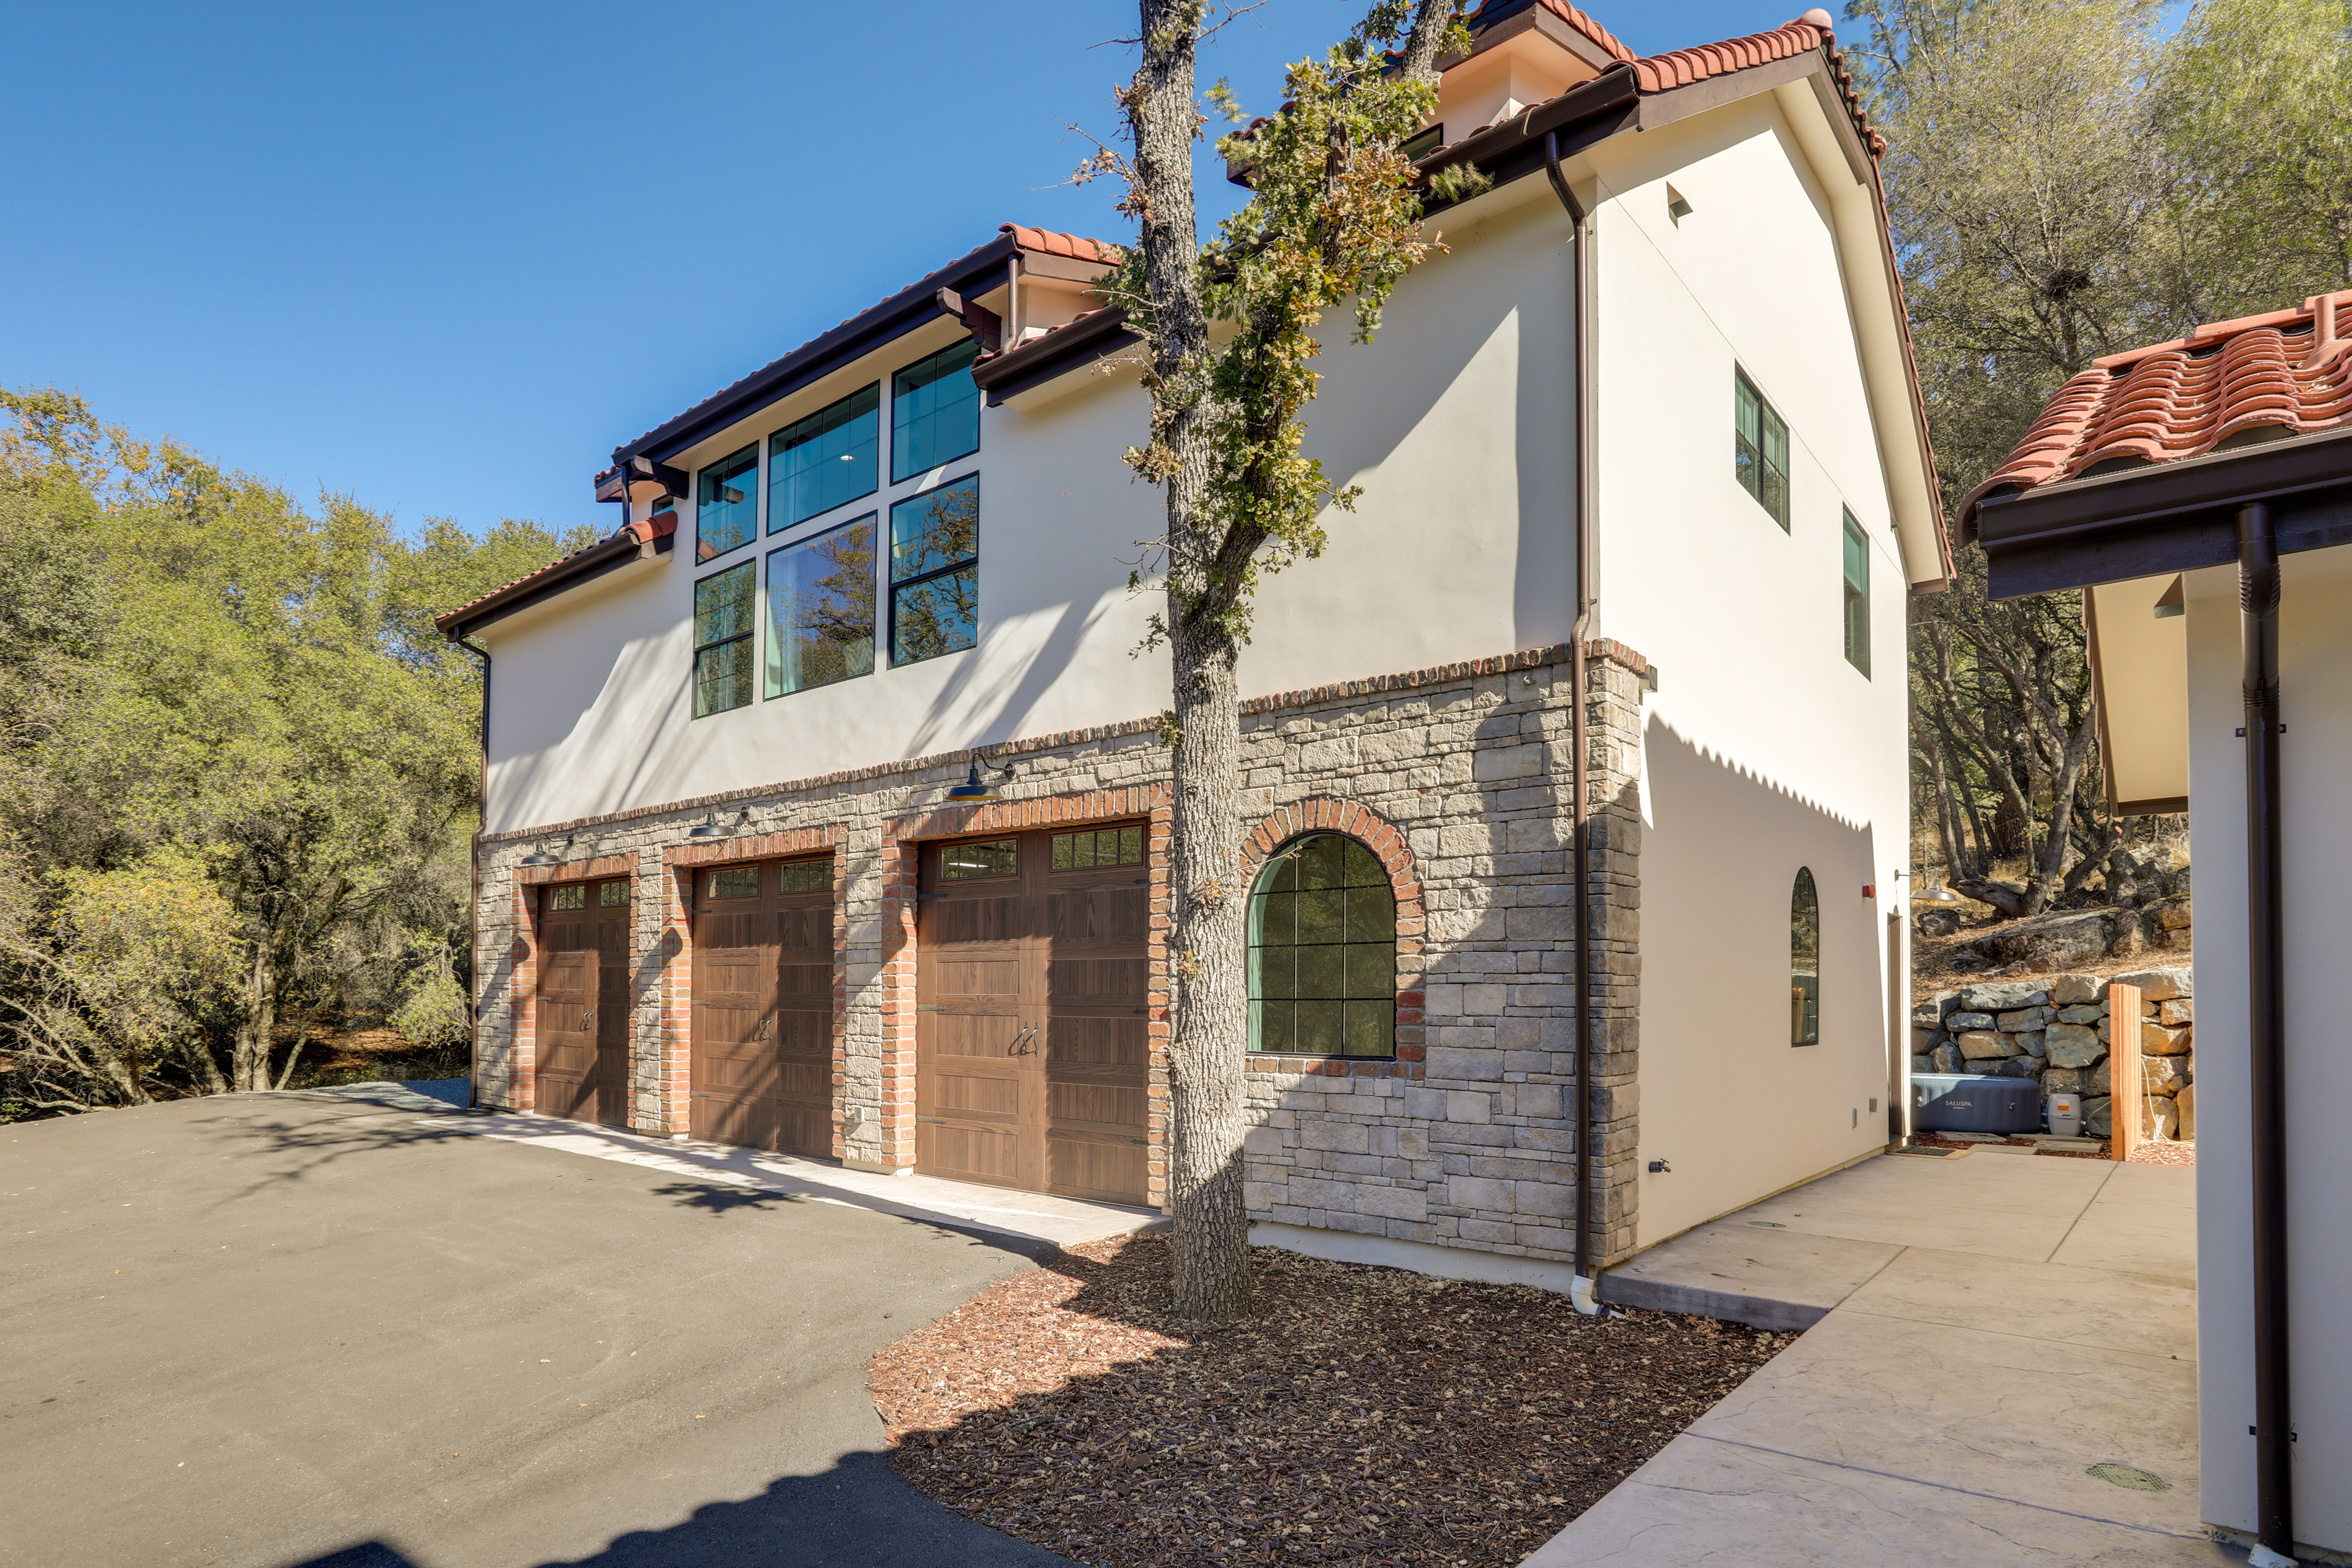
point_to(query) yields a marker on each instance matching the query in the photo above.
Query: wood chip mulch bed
(1364, 1417)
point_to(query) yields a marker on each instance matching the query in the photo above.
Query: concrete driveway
(275, 1330)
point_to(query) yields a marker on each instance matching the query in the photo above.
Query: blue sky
(444, 257)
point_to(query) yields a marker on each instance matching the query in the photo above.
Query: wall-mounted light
(538, 854)
(709, 827)
(1935, 892)
(974, 789)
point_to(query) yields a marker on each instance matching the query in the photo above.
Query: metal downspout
(2273, 1432)
(474, 885)
(1582, 1288)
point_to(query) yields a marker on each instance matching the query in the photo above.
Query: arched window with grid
(1322, 951)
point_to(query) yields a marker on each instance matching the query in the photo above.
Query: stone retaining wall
(2055, 1029)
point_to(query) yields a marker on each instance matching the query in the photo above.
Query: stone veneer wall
(1467, 1140)
(2056, 1029)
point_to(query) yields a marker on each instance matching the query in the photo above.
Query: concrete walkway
(1031, 1216)
(1999, 1367)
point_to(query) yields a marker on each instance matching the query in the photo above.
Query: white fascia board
(1876, 297)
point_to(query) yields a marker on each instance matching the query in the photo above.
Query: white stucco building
(2199, 492)
(723, 890)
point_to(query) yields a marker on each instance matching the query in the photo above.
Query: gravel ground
(1364, 1417)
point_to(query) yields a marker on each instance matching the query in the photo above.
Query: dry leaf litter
(1362, 1416)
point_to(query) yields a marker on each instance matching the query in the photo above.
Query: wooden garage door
(763, 1005)
(583, 1048)
(1032, 976)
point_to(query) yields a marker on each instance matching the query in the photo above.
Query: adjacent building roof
(654, 535)
(2226, 385)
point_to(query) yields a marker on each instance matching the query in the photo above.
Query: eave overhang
(972, 274)
(2169, 516)
(645, 541)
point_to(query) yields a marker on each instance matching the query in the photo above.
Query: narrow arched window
(1322, 951)
(1804, 962)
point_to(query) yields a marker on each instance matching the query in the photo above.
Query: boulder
(2163, 1074)
(2074, 989)
(2172, 914)
(2083, 1013)
(2003, 995)
(2024, 1018)
(1983, 1045)
(2072, 1045)
(2063, 1081)
(2185, 1105)
(2101, 1079)
(1923, 1064)
(2160, 984)
(1929, 1015)
(1924, 1041)
(1961, 1023)
(2166, 1122)
(2156, 1040)
(2054, 942)
(1945, 1059)
(1939, 922)
(2098, 1117)
(2179, 1011)
(2016, 1067)
(2030, 1042)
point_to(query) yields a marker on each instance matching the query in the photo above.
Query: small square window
(996, 857)
(727, 504)
(613, 895)
(734, 882)
(571, 897)
(805, 877)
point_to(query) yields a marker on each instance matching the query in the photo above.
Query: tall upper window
(820, 608)
(934, 412)
(722, 640)
(727, 504)
(828, 459)
(1857, 595)
(1322, 951)
(935, 572)
(1804, 962)
(1760, 448)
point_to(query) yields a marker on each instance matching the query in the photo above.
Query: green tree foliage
(2063, 182)
(226, 709)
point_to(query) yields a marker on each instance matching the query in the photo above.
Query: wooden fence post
(2125, 1080)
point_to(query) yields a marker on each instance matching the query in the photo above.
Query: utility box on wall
(1971, 1102)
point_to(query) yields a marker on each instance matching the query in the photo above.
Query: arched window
(1804, 962)
(1322, 951)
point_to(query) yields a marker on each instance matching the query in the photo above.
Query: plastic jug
(2065, 1114)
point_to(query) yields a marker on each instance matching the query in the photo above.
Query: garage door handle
(762, 1032)
(587, 1018)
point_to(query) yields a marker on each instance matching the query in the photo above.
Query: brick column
(1614, 676)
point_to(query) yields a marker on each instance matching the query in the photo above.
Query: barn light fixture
(709, 827)
(1935, 892)
(539, 855)
(974, 789)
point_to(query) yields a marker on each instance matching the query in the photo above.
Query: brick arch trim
(1386, 840)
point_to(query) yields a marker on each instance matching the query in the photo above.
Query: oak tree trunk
(1209, 1006)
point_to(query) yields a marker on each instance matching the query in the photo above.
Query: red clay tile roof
(1076, 245)
(2287, 370)
(1680, 68)
(1591, 29)
(661, 525)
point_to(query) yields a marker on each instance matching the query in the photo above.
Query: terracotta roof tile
(2288, 370)
(1075, 246)
(1591, 29)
